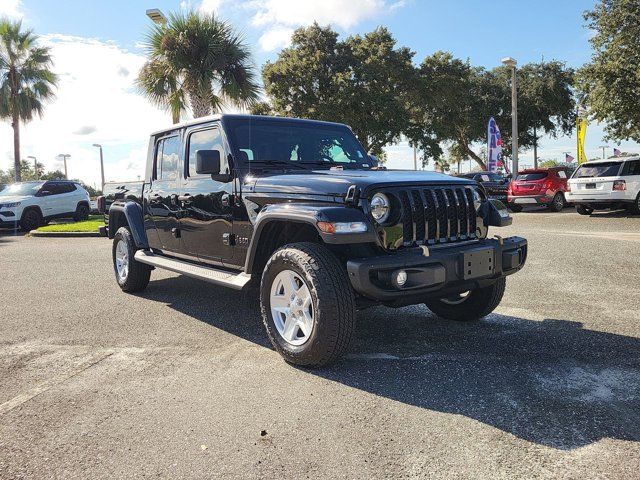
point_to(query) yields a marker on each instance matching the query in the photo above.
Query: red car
(543, 186)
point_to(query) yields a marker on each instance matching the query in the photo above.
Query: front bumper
(8, 219)
(438, 272)
(524, 200)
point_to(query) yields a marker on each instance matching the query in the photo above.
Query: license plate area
(590, 186)
(478, 263)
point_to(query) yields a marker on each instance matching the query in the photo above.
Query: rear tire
(476, 304)
(31, 219)
(515, 208)
(557, 204)
(131, 275)
(82, 213)
(635, 208)
(307, 304)
(584, 210)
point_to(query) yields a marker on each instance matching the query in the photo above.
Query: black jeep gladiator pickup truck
(299, 206)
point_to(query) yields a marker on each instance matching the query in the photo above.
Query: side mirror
(208, 162)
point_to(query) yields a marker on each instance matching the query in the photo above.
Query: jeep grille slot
(436, 215)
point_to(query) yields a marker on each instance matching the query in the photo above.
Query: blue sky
(96, 46)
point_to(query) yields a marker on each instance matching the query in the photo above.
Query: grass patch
(90, 225)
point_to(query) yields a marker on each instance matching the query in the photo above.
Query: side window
(209, 139)
(169, 159)
(55, 188)
(156, 162)
(633, 168)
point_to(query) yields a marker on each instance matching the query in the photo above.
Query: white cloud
(274, 38)
(11, 8)
(280, 17)
(210, 6)
(95, 103)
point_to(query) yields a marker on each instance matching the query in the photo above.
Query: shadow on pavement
(550, 382)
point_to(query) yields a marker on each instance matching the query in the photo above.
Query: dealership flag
(494, 147)
(582, 133)
(568, 158)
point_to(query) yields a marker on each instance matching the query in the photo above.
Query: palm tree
(26, 82)
(199, 58)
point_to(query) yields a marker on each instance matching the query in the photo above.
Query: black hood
(337, 182)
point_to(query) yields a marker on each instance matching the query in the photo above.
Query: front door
(206, 220)
(162, 196)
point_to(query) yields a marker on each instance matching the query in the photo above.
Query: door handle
(185, 198)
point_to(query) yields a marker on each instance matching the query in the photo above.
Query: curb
(35, 233)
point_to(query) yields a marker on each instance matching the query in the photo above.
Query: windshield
(298, 143)
(21, 189)
(530, 177)
(604, 169)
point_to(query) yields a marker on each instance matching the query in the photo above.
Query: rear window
(604, 169)
(529, 177)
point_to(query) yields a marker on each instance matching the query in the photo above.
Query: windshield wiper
(284, 163)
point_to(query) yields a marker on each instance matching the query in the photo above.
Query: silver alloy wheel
(122, 260)
(456, 299)
(292, 307)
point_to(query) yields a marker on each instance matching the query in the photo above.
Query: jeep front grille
(436, 214)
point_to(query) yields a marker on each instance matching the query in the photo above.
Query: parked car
(113, 191)
(494, 184)
(295, 206)
(32, 204)
(543, 186)
(606, 184)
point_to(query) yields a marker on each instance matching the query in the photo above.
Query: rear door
(631, 174)
(162, 196)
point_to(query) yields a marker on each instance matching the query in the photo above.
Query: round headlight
(380, 207)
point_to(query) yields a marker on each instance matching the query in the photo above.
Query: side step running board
(208, 274)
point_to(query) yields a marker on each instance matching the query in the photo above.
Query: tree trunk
(16, 147)
(474, 156)
(535, 148)
(200, 102)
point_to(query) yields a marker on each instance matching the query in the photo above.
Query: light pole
(603, 147)
(35, 166)
(101, 164)
(64, 157)
(156, 16)
(511, 63)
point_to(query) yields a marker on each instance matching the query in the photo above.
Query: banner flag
(494, 147)
(582, 133)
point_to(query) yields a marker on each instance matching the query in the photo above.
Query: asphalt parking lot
(180, 381)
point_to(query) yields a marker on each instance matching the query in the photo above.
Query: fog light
(399, 278)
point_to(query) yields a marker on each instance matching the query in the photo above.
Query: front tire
(474, 305)
(31, 219)
(131, 275)
(307, 304)
(583, 210)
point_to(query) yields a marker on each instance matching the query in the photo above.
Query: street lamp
(156, 16)
(35, 166)
(64, 157)
(603, 147)
(511, 63)
(97, 145)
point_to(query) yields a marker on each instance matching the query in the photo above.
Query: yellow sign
(582, 133)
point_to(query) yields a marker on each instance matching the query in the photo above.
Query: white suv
(606, 184)
(32, 204)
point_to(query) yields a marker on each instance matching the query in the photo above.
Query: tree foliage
(611, 80)
(199, 58)
(26, 81)
(363, 81)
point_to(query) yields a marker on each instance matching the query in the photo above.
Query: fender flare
(132, 211)
(309, 214)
